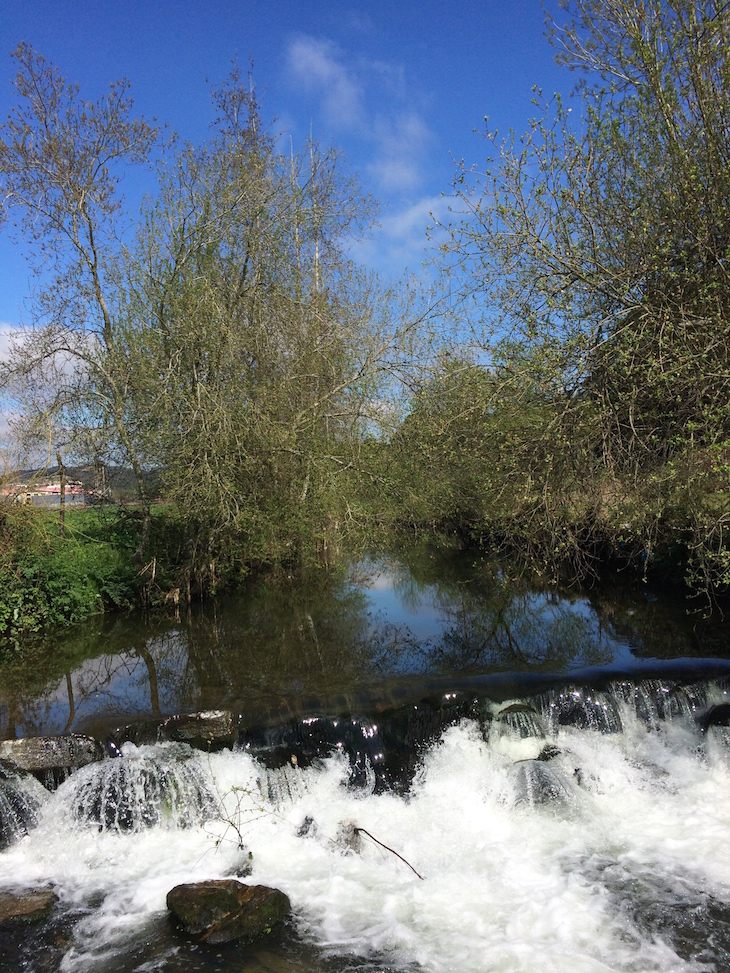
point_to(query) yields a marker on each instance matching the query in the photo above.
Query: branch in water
(391, 850)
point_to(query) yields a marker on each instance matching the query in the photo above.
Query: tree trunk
(62, 479)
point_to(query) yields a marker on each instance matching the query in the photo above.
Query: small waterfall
(520, 721)
(577, 829)
(144, 788)
(537, 784)
(656, 701)
(21, 798)
(282, 786)
(580, 707)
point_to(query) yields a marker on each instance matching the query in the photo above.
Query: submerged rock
(26, 906)
(223, 910)
(537, 784)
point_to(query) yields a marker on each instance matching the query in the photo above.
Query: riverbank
(54, 578)
(51, 578)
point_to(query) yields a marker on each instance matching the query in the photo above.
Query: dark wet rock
(141, 733)
(287, 749)
(21, 797)
(210, 731)
(243, 866)
(25, 907)
(582, 708)
(383, 752)
(715, 716)
(224, 910)
(43, 755)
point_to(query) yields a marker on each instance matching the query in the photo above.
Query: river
(549, 770)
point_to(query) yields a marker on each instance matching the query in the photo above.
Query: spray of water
(577, 831)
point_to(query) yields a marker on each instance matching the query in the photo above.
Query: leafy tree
(262, 356)
(597, 247)
(233, 349)
(60, 159)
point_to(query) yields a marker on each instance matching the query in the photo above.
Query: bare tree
(60, 159)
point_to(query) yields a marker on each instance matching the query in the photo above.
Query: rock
(223, 910)
(49, 753)
(718, 715)
(26, 906)
(210, 730)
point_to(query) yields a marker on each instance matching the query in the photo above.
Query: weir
(580, 828)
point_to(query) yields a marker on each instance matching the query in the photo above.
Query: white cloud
(317, 66)
(9, 335)
(371, 99)
(401, 240)
(402, 144)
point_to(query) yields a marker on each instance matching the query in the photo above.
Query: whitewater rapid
(611, 855)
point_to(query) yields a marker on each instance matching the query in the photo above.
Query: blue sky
(400, 86)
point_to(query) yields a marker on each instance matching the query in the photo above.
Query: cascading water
(583, 829)
(146, 787)
(21, 797)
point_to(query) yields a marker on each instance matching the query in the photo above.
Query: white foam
(507, 886)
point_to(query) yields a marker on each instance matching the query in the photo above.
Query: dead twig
(391, 850)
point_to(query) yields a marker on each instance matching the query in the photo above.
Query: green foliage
(232, 347)
(47, 580)
(596, 246)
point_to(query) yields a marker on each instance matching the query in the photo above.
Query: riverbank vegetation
(568, 403)
(590, 419)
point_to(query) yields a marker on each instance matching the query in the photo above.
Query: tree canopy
(277, 391)
(595, 251)
(232, 348)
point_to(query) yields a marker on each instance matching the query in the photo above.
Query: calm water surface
(388, 630)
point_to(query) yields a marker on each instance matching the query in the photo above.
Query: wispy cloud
(371, 99)
(400, 240)
(402, 143)
(317, 66)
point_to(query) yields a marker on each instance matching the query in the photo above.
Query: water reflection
(487, 620)
(286, 643)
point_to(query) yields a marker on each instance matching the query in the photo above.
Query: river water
(445, 769)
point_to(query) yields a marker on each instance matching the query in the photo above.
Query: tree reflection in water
(285, 644)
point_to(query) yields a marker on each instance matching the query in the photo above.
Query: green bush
(48, 580)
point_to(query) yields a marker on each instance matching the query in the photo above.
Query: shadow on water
(389, 629)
